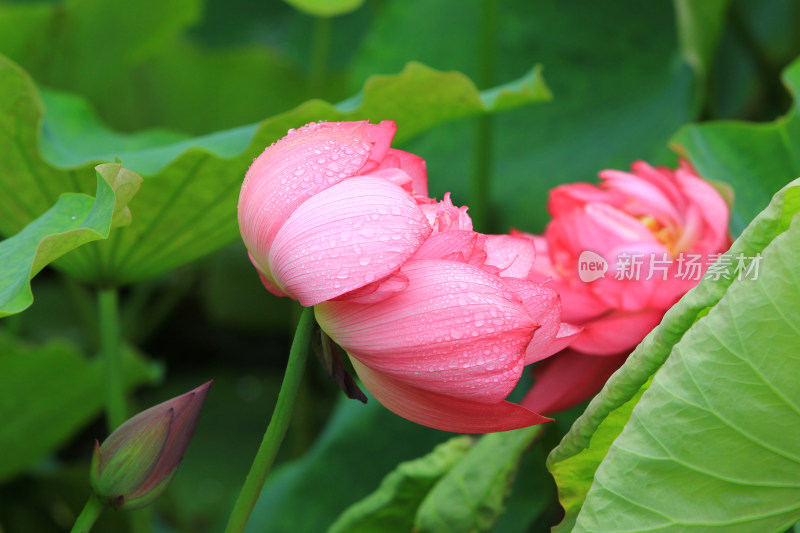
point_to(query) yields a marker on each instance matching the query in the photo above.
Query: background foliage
(528, 94)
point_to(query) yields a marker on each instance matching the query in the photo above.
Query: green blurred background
(624, 75)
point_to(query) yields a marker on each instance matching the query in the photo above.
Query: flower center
(667, 236)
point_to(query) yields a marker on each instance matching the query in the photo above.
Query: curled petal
(512, 254)
(454, 330)
(711, 207)
(567, 198)
(544, 305)
(443, 412)
(411, 164)
(457, 245)
(568, 379)
(381, 136)
(290, 171)
(643, 197)
(345, 237)
(444, 216)
(663, 178)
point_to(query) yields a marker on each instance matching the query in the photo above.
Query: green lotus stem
(276, 429)
(321, 40)
(91, 511)
(479, 187)
(108, 312)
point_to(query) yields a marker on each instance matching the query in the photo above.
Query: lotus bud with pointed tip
(136, 462)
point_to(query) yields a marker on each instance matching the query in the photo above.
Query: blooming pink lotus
(331, 208)
(439, 320)
(656, 230)
(443, 341)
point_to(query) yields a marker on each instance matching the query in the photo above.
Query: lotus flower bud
(136, 462)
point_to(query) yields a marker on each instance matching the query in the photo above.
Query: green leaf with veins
(186, 207)
(75, 220)
(393, 505)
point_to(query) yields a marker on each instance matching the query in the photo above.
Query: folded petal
(513, 254)
(711, 207)
(443, 412)
(544, 306)
(565, 198)
(568, 379)
(381, 136)
(290, 171)
(376, 291)
(444, 216)
(411, 164)
(345, 237)
(464, 246)
(455, 329)
(643, 197)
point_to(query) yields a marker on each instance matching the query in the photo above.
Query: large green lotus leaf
(576, 460)
(73, 221)
(471, 496)
(358, 448)
(92, 47)
(393, 505)
(326, 8)
(48, 394)
(155, 74)
(620, 92)
(187, 204)
(708, 447)
(755, 159)
(700, 27)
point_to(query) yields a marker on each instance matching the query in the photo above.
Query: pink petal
(381, 136)
(617, 331)
(566, 198)
(444, 216)
(443, 412)
(644, 198)
(290, 171)
(544, 306)
(455, 330)
(513, 254)
(457, 245)
(394, 175)
(568, 379)
(377, 291)
(411, 164)
(664, 179)
(712, 208)
(626, 285)
(345, 237)
(612, 226)
(265, 280)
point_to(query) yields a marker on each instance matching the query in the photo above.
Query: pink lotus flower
(657, 230)
(446, 338)
(331, 208)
